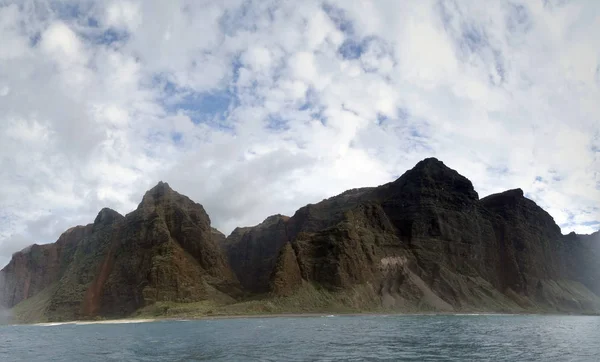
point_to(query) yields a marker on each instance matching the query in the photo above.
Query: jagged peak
(511, 195)
(74, 233)
(157, 193)
(162, 185)
(513, 204)
(25, 250)
(273, 219)
(106, 216)
(432, 164)
(240, 230)
(216, 231)
(161, 188)
(433, 173)
(593, 236)
(162, 198)
(270, 220)
(514, 193)
(430, 161)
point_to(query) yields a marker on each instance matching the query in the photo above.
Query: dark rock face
(165, 250)
(34, 268)
(423, 242)
(426, 241)
(252, 252)
(583, 255)
(527, 240)
(286, 276)
(348, 253)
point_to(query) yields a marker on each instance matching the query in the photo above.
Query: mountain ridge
(423, 242)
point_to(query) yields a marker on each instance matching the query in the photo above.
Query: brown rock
(286, 276)
(165, 250)
(422, 242)
(252, 252)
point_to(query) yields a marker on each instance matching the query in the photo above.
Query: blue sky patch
(35, 39)
(203, 107)
(473, 39)
(416, 132)
(68, 10)
(403, 114)
(238, 19)
(276, 123)
(381, 118)
(92, 22)
(107, 37)
(111, 36)
(501, 170)
(500, 68)
(340, 18)
(351, 49)
(447, 11)
(176, 137)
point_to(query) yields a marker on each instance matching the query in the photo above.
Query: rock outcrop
(426, 241)
(286, 276)
(165, 250)
(422, 242)
(252, 252)
(36, 267)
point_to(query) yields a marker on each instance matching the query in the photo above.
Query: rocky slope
(165, 250)
(427, 242)
(252, 252)
(424, 242)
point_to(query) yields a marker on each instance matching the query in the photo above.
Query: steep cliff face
(529, 242)
(34, 268)
(165, 250)
(316, 217)
(286, 276)
(423, 242)
(583, 253)
(438, 218)
(66, 297)
(252, 252)
(426, 241)
(349, 252)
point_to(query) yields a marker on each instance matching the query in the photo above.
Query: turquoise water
(350, 338)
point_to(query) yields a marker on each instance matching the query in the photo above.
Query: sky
(253, 108)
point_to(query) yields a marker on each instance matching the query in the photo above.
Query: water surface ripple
(339, 338)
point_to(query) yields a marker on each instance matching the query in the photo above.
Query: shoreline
(286, 315)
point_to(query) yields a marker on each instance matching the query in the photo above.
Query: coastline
(286, 315)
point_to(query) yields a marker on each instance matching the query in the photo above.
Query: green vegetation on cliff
(423, 243)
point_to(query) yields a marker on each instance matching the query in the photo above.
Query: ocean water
(335, 338)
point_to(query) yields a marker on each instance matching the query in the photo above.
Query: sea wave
(83, 323)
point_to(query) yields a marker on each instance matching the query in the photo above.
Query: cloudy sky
(259, 107)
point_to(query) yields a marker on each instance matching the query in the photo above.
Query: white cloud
(257, 58)
(125, 14)
(60, 42)
(14, 44)
(302, 66)
(255, 108)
